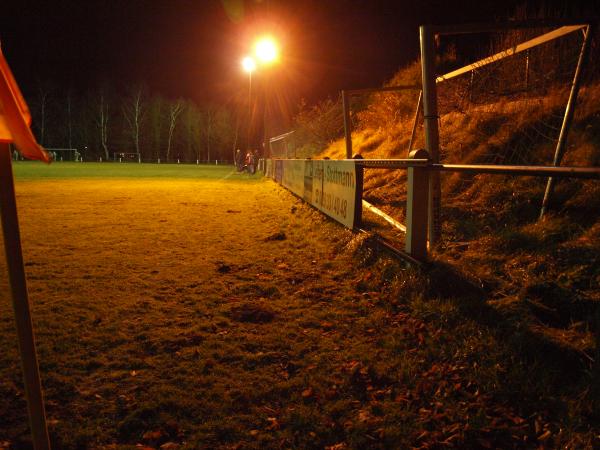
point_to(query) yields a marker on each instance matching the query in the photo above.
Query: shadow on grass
(560, 364)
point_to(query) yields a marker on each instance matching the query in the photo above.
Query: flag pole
(20, 300)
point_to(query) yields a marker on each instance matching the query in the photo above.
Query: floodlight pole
(249, 111)
(20, 300)
(430, 122)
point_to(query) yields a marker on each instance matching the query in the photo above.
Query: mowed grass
(218, 311)
(32, 170)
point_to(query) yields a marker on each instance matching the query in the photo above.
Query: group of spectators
(247, 164)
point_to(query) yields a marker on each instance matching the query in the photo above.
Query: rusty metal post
(360, 176)
(561, 145)
(347, 124)
(415, 123)
(432, 134)
(20, 300)
(471, 83)
(527, 70)
(417, 208)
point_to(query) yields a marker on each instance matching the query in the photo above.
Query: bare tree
(156, 117)
(134, 110)
(99, 107)
(224, 132)
(43, 93)
(316, 126)
(69, 101)
(235, 138)
(174, 112)
(102, 115)
(208, 118)
(190, 131)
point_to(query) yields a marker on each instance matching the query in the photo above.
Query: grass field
(28, 170)
(193, 307)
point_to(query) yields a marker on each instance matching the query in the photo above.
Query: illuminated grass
(29, 170)
(224, 313)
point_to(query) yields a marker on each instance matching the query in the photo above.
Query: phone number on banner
(332, 203)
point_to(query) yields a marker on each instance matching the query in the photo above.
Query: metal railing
(420, 168)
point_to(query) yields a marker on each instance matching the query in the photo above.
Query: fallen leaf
(364, 415)
(306, 393)
(264, 276)
(169, 446)
(545, 436)
(340, 446)
(327, 325)
(518, 420)
(152, 435)
(273, 423)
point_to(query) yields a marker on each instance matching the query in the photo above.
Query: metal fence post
(20, 300)
(415, 122)
(417, 196)
(432, 134)
(568, 117)
(347, 124)
(360, 176)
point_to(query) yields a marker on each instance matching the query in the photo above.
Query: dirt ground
(224, 313)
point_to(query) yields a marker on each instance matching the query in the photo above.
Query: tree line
(105, 121)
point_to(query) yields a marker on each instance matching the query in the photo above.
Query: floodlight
(266, 50)
(248, 64)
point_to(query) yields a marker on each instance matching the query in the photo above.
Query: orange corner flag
(15, 118)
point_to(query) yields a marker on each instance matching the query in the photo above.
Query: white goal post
(430, 79)
(127, 157)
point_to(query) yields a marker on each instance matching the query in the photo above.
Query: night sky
(193, 48)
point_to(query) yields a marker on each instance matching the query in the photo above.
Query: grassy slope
(541, 278)
(227, 314)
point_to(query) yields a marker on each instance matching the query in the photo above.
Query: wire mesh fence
(509, 111)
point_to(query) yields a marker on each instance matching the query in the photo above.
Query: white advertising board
(269, 168)
(293, 176)
(333, 187)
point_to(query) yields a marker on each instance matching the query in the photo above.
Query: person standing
(249, 166)
(238, 160)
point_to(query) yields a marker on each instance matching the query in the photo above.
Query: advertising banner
(278, 173)
(293, 176)
(308, 181)
(333, 187)
(336, 191)
(269, 168)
